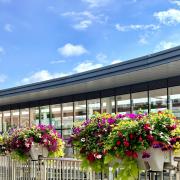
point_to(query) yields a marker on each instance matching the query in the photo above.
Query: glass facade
(93, 106)
(63, 116)
(6, 120)
(1, 122)
(174, 100)
(80, 110)
(158, 99)
(123, 103)
(34, 116)
(24, 117)
(140, 102)
(56, 115)
(108, 105)
(15, 118)
(44, 115)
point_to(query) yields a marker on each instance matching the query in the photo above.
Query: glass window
(34, 116)
(174, 103)
(1, 121)
(140, 102)
(80, 110)
(158, 99)
(56, 115)
(44, 115)
(15, 118)
(108, 105)
(93, 106)
(24, 117)
(123, 103)
(6, 120)
(67, 121)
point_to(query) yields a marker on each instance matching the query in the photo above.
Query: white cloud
(8, 27)
(116, 61)
(96, 3)
(72, 50)
(57, 61)
(82, 20)
(165, 45)
(177, 2)
(83, 25)
(143, 40)
(80, 15)
(101, 57)
(171, 16)
(41, 76)
(86, 66)
(136, 27)
(2, 78)
(2, 51)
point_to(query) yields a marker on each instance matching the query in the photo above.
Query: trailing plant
(20, 141)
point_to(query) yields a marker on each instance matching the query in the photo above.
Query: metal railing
(62, 169)
(46, 169)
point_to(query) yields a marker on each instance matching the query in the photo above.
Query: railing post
(178, 167)
(42, 167)
(110, 174)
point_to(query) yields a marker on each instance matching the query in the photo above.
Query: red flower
(90, 157)
(150, 137)
(140, 139)
(129, 153)
(126, 143)
(135, 155)
(131, 136)
(147, 127)
(171, 127)
(118, 143)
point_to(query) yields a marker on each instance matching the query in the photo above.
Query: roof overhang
(160, 65)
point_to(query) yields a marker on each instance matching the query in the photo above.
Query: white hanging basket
(38, 150)
(155, 162)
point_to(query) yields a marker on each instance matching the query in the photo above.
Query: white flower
(99, 156)
(83, 139)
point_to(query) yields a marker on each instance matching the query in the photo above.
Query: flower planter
(38, 150)
(155, 162)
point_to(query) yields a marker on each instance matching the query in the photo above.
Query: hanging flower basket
(35, 141)
(38, 150)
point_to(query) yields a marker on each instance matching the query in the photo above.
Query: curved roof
(150, 67)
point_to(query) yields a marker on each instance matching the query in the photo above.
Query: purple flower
(119, 116)
(111, 121)
(131, 116)
(145, 155)
(76, 130)
(103, 120)
(86, 122)
(157, 144)
(173, 141)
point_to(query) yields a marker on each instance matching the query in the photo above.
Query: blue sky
(44, 39)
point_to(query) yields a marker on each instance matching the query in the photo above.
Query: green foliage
(19, 156)
(128, 169)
